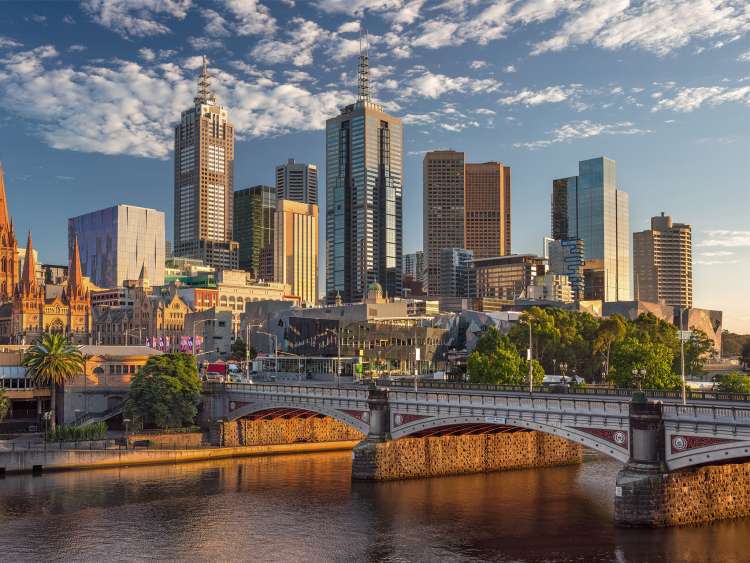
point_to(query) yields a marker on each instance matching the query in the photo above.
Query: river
(305, 508)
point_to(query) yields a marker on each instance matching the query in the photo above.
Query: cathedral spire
(75, 278)
(205, 95)
(5, 222)
(363, 68)
(28, 275)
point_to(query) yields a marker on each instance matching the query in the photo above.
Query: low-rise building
(507, 278)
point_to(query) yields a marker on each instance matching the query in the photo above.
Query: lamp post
(275, 349)
(337, 334)
(127, 333)
(528, 357)
(195, 338)
(639, 375)
(247, 346)
(682, 356)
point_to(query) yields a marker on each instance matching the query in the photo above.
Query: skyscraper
(254, 216)
(566, 258)
(204, 181)
(296, 248)
(117, 242)
(456, 273)
(364, 170)
(442, 209)
(591, 208)
(663, 262)
(297, 181)
(487, 208)
(414, 265)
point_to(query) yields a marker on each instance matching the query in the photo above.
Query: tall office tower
(254, 217)
(589, 207)
(364, 171)
(566, 258)
(203, 181)
(487, 203)
(663, 262)
(117, 242)
(442, 209)
(295, 260)
(10, 271)
(456, 273)
(414, 265)
(297, 181)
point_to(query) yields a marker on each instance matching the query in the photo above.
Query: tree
(611, 330)
(745, 355)
(734, 382)
(496, 361)
(52, 361)
(239, 349)
(165, 392)
(544, 334)
(653, 357)
(4, 405)
(697, 349)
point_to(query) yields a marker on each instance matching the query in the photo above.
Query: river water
(306, 508)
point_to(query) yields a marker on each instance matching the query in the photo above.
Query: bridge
(653, 439)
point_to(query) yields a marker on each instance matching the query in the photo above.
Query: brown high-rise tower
(487, 204)
(8, 247)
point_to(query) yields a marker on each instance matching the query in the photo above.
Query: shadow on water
(305, 508)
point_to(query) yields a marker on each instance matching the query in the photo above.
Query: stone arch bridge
(659, 442)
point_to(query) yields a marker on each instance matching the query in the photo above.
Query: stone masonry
(452, 455)
(690, 496)
(244, 432)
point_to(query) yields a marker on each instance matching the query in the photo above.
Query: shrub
(93, 431)
(734, 382)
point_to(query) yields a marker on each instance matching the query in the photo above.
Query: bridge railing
(696, 413)
(692, 395)
(304, 390)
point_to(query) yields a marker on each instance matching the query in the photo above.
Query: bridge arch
(595, 441)
(348, 418)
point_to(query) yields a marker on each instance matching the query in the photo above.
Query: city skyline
(660, 130)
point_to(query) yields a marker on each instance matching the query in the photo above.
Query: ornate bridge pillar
(638, 498)
(380, 415)
(368, 455)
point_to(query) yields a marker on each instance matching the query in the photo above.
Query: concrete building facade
(295, 260)
(663, 262)
(297, 181)
(117, 242)
(487, 223)
(507, 278)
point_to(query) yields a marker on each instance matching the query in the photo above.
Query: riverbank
(38, 460)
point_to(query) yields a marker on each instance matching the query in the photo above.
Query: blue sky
(92, 91)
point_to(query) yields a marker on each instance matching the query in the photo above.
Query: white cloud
(349, 27)
(726, 239)
(549, 95)
(8, 43)
(121, 116)
(147, 54)
(135, 17)
(250, 17)
(205, 43)
(509, 69)
(430, 85)
(717, 254)
(68, 19)
(484, 111)
(744, 57)
(216, 24)
(303, 37)
(583, 130)
(77, 48)
(357, 7)
(690, 99)
(476, 65)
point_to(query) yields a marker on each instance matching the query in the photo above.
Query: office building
(364, 171)
(117, 242)
(414, 265)
(663, 262)
(551, 287)
(442, 209)
(507, 278)
(204, 181)
(487, 209)
(590, 207)
(296, 249)
(456, 273)
(297, 181)
(254, 216)
(566, 258)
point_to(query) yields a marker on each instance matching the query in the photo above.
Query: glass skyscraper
(589, 207)
(254, 210)
(364, 170)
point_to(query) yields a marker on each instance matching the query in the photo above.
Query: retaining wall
(284, 431)
(175, 440)
(689, 496)
(452, 455)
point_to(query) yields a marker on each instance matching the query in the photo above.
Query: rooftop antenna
(204, 83)
(363, 69)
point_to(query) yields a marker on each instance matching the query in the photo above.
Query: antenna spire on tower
(204, 84)
(363, 69)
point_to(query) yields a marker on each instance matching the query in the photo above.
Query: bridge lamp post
(682, 355)
(275, 349)
(529, 358)
(247, 346)
(337, 334)
(639, 375)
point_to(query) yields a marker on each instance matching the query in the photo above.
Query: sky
(91, 92)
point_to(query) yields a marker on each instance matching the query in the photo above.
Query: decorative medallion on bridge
(682, 443)
(364, 416)
(617, 437)
(401, 419)
(234, 405)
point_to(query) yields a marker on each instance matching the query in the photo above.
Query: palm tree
(52, 361)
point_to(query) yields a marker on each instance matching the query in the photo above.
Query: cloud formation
(584, 129)
(136, 18)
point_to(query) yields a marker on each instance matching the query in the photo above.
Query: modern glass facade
(364, 147)
(589, 207)
(254, 210)
(117, 242)
(566, 257)
(456, 273)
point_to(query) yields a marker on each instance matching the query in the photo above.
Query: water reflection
(305, 508)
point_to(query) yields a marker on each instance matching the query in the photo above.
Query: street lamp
(529, 356)
(197, 323)
(639, 375)
(247, 346)
(337, 334)
(128, 331)
(682, 355)
(275, 349)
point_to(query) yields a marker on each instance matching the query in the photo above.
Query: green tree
(734, 382)
(610, 331)
(745, 355)
(545, 336)
(4, 405)
(653, 357)
(239, 349)
(52, 361)
(165, 392)
(697, 350)
(496, 361)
